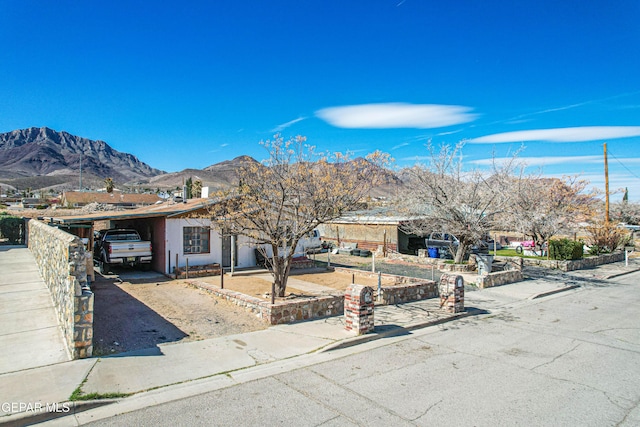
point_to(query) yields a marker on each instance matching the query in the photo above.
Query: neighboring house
(177, 231)
(33, 202)
(372, 229)
(78, 199)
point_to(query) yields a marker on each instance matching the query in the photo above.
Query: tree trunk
(462, 249)
(281, 268)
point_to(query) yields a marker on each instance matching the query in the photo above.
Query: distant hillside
(217, 176)
(43, 152)
(44, 159)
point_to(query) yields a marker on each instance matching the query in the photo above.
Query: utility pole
(80, 170)
(606, 185)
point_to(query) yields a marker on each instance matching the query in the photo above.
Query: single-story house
(78, 199)
(373, 229)
(180, 232)
(33, 202)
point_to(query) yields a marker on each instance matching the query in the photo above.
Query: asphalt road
(568, 359)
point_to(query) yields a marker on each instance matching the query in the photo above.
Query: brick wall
(62, 263)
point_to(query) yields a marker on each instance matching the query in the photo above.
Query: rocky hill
(44, 159)
(43, 152)
(217, 176)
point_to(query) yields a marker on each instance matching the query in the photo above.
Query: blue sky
(189, 84)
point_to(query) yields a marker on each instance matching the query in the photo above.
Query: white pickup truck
(121, 247)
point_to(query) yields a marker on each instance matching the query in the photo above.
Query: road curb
(401, 330)
(554, 291)
(622, 274)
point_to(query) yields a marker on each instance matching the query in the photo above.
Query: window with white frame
(195, 240)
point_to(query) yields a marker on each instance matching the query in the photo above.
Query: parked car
(442, 240)
(488, 245)
(121, 247)
(309, 244)
(629, 227)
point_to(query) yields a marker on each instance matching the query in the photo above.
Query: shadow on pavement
(122, 323)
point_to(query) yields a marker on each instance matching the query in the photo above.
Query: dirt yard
(135, 315)
(259, 284)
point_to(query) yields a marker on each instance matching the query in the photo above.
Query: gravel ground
(137, 314)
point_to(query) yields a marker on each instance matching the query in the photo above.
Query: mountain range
(42, 158)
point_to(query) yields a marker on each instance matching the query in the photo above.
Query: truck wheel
(105, 267)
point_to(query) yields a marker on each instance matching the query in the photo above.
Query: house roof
(163, 209)
(381, 216)
(86, 197)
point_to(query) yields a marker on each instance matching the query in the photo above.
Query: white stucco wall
(245, 255)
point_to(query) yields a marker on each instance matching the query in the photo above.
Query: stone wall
(62, 263)
(409, 292)
(282, 311)
(406, 289)
(579, 264)
(499, 278)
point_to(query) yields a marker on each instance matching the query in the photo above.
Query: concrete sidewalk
(172, 365)
(168, 369)
(29, 336)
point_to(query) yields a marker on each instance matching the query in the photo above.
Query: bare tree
(542, 207)
(281, 200)
(448, 198)
(108, 183)
(196, 189)
(626, 212)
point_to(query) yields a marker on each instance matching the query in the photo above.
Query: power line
(623, 165)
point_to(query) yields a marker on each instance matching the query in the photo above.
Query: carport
(149, 221)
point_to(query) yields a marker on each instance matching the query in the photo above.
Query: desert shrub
(11, 228)
(604, 237)
(565, 249)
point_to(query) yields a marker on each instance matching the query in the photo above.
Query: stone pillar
(451, 290)
(358, 309)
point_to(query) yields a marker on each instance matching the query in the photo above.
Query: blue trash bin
(433, 252)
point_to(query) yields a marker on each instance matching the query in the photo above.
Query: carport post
(233, 253)
(379, 286)
(221, 277)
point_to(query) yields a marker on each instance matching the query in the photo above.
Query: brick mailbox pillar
(358, 309)
(451, 290)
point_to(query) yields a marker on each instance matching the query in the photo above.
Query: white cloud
(415, 159)
(449, 133)
(573, 134)
(224, 145)
(283, 126)
(404, 144)
(543, 161)
(396, 115)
